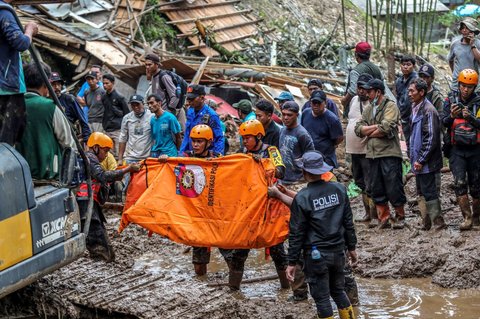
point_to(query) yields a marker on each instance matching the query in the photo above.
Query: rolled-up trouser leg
(235, 259)
(200, 259)
(279, 257)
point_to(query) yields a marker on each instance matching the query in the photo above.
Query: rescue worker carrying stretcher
(202, 138)
(98, 244)
(252, 132)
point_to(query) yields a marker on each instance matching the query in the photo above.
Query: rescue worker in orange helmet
(202, 138)
(99, 144)
(461, 117)
(252, 132)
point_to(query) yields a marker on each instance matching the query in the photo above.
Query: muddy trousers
(465, 167)
(325, 277)
(13, 118)
(97, 242)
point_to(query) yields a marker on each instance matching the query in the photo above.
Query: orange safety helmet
(201, 131)
(468, 76)
(251, 127)
(100, 139)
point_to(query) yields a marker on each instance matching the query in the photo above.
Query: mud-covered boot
(373, 214)
(464, 204)
(422, 206)
(282, 277)
(366, 205)
(346, 313)
(331, 317)
(200, 269)
(399, 222)
(475, 212)
(235, 279)
(383, 215)
(434, 210)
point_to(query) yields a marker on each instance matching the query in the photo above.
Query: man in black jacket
(73, 111)
(115, 109)
(321, 224)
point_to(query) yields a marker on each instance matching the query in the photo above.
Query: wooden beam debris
(217, 16)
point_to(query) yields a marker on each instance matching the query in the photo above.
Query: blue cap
(313, 163)
(285, 96)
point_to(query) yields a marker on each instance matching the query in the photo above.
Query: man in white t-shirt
(357, 147)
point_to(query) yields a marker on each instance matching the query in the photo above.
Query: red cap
(363, 47)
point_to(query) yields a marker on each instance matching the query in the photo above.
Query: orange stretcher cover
(220, 202)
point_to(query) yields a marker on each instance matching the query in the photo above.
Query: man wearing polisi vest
(426, 154)
(461, 117)
(201, 113)
(321, 225)
(73, 110)
(362, 56)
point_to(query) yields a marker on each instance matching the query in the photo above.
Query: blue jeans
(126, 177)
(325, 277)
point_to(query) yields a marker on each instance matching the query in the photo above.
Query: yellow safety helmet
(252, 127)
(468, 76)
(100, 139)
(202, 131)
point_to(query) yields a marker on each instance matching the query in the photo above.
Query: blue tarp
(467, 10)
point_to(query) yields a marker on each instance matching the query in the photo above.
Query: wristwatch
(474, 46)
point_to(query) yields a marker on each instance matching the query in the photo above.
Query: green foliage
(155, 27)
(438, 49)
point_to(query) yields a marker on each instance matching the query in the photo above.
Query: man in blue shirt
(165, 127)
(317, 85)
(323, 126)
(201, 113)
(12, 83)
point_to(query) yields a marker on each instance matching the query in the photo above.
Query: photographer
(464, 51)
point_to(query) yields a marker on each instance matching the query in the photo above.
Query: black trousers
(427, 185)
(13, 118)
(386, 182)
(361, 172)
(237, 257)
(325, 277)
(465, 167)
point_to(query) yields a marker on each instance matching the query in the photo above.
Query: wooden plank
(106, 52)
(245, 36)
(200, 6)
(180, 67)
(228, 27)
(224, 15)
(198, 75)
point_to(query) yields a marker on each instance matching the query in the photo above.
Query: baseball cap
(152, 57)
(363, 80)
(91, 74)
(316, 82)
(243, 105)
(55, 77)
(194, 91)
(284, 96)
(136, 98)
(291, 106)
(363, 47)
(313, 163)
(427, 70)
(375, 84)
(319, 96)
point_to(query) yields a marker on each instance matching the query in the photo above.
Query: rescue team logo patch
(190, 180)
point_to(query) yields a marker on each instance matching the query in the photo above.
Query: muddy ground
(153, 277)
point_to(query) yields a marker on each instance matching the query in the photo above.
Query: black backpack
(179, 82)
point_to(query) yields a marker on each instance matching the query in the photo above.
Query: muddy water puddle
(380, 298)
